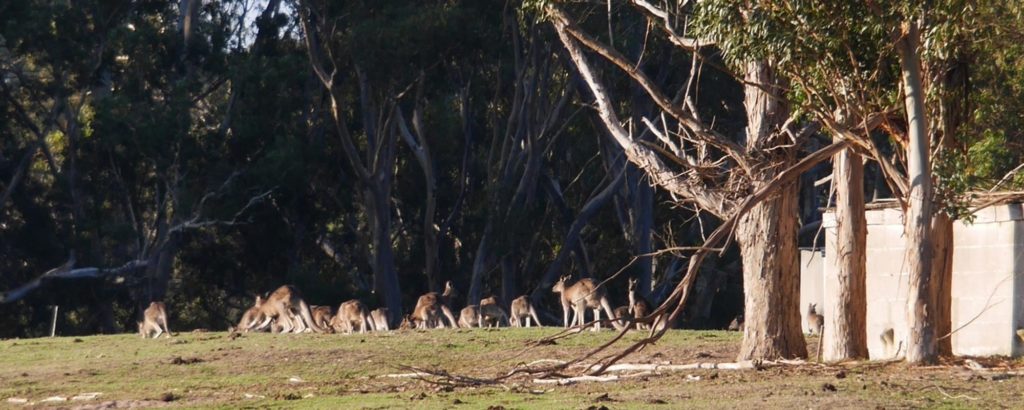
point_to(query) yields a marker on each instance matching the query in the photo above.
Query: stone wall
(988, 290)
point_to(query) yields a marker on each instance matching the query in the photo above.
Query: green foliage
(952, 185)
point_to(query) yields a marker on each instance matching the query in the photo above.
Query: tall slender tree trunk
(845, 335)
(921, 318)
(956, 84)
(385, 279)
(642, 216)
(509, 284)
(942, 269)
(767, 235)
(481, 262)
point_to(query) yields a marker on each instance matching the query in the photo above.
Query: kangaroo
(154, 321)
(351, 314)
(623, 316)
(379, 319)
(431, 306)
(815, 321)
(888, 337)
(469, 317)
(322, 315)
(582, 295)
(407, 323)
(286, 306)
(522, 310)
(638, 307)
(250, 318)
(491, 313)
(737, 324)
(427, 313)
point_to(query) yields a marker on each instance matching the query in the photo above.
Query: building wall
(812, 277)
(987, 289)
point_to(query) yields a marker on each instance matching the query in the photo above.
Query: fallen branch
(741, 365)
(570, 380)
(447, 379)
(404, 375)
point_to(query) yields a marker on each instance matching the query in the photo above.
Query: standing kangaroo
(579, 297)
(638, 307)
(815, 321)
(154, 321)
(431, 306)
(522, 310)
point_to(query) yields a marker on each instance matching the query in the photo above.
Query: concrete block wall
(987, 288)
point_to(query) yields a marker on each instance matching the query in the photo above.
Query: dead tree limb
(65, 272)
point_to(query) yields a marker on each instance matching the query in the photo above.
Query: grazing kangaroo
(154, 321)
(638, 307)
(815, 321)
(379, 317)
(250, 318)
(351, 314)
(469, 317)
(322, 316)
(523, 311)
(285, 305)
(582, 295)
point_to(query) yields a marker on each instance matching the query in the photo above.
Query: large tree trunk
(845, 335)
(771, 279)
(767, 236)
(921, 343)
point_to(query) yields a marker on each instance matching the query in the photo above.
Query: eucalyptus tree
(899, 63)
(734, 178)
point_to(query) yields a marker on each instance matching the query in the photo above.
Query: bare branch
(65, 272)
(565, 26)
(687, 43)
(642, 156)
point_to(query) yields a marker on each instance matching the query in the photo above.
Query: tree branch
(65, 272)
(643, 157)
(565, 26)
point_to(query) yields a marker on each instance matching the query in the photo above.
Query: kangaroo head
(560, 285)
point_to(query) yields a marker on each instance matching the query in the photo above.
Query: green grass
(210, 370)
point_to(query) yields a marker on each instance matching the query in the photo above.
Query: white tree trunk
(921, 343)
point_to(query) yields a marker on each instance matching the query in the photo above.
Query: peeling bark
(921, 343)
(845, 336)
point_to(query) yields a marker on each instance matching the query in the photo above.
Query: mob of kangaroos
(285, 311)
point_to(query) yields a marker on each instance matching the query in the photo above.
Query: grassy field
(211, 370)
